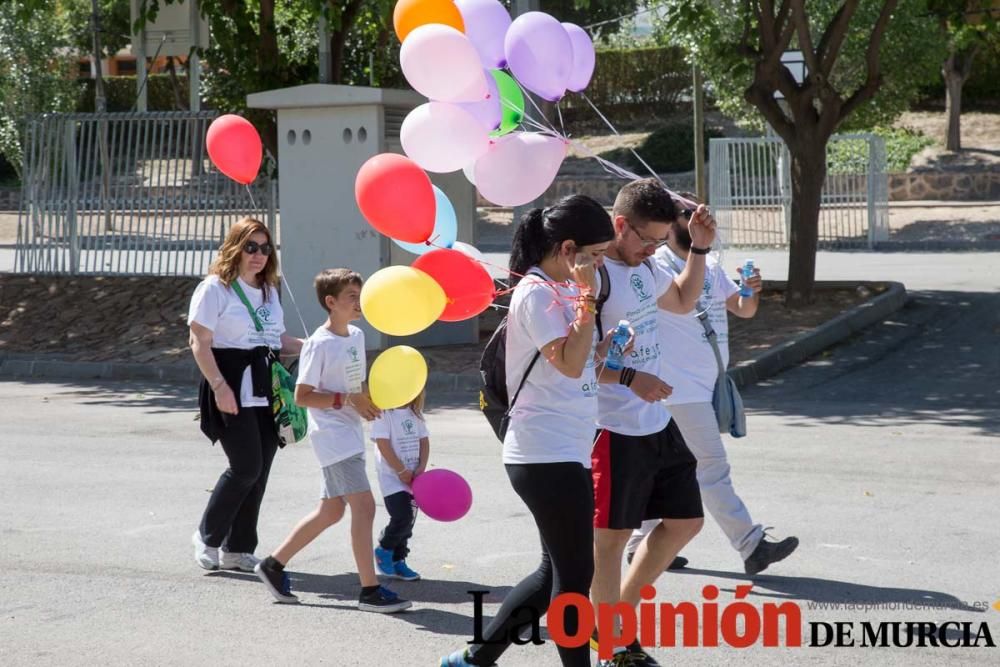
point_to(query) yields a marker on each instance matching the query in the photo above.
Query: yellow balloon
(401, 300)
(397, 377)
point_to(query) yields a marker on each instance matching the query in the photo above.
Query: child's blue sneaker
(402, 571)
(383, 562)
(456, 659)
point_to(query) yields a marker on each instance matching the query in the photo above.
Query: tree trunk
(808, 176)
(956, 70)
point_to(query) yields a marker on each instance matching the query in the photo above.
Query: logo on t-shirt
(353, 351)
(708, 286)
(639, 287)
(264, 313)
(408, 426)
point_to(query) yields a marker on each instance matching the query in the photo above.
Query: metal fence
(751, 191)
(127, 194)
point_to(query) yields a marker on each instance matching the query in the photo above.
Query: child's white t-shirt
(332, 363)
(403, 429)
(219, 309)
(553, 420)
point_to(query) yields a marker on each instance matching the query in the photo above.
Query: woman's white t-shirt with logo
(403, 429)
(332, 363)
(689, 362)
(633, 296)
(553, 419)
(219, 309)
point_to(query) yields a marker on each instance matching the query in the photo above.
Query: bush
(981, 90)
(670, 149)
(901, 144)
(120, 92)
(8, 177)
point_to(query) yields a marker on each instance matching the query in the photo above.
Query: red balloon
(467, 286)
(396, 197)
(235, 148)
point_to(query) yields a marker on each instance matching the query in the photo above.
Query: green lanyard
(246, 302)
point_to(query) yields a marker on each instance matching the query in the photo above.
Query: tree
(114, 25)
(608, 13)
(36, 73)
(969, 25)
(848, 46)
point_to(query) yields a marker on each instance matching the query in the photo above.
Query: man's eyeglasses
(646, 243)
(251, 248)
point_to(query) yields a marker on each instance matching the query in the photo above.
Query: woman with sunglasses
(234, 349)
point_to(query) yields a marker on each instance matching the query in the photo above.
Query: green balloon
(511, 103)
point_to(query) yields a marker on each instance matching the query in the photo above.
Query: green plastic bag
(289, 418)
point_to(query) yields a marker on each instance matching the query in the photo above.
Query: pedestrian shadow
(828, 593)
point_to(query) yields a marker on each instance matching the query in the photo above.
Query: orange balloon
(411, 14)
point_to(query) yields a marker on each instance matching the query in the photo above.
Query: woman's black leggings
(560, 496)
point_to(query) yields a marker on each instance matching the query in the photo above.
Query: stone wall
(945, 186)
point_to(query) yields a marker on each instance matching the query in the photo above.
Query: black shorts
(639, 477)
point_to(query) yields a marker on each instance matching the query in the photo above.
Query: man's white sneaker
(238, 561)
(207, 557)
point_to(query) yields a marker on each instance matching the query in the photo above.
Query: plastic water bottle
(616, 351)
(746, 274)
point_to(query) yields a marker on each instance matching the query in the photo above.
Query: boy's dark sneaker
(769, 552)
(678, 563)
(382, 601)
(276, 581)
(639, 656)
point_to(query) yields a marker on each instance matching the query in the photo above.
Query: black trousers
(402, 515)
(560, 496)
(230, 519)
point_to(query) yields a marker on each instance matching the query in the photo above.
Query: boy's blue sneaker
(383, 562)
(402, 571)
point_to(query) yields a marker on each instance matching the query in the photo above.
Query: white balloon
(475, 254)
(470, 172)
(442, 64)
(442, 137)
(519, 167)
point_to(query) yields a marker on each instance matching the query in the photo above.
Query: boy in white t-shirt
(331, 385)
(403, 446)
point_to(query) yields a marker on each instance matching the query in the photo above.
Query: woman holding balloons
(546, 448)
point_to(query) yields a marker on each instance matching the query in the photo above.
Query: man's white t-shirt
(633, 295)
(403, 429)
(332, 363)
(218, 308)
(689, 362)
(553, 420)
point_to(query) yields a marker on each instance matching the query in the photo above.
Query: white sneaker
(238, 561)
(207, 557)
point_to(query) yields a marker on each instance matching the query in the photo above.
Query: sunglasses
(687, 213)
(251, 248)
(646, 243)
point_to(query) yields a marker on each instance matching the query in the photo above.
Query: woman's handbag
(290, 419)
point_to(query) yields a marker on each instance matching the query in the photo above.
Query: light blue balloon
(445, 227)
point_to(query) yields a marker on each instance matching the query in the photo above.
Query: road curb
(826, 335)
(789, 353)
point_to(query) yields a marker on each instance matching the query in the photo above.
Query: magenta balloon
(584, 57)
(488, 111)
(442, 495)
(441, 64)
(486, 24)
(540, 54)
(519, 167)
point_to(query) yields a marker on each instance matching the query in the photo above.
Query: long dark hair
(576, 218)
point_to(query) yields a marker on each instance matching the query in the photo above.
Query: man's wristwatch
(338, 400)
(701, 251)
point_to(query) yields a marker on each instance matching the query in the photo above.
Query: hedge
(120, 92)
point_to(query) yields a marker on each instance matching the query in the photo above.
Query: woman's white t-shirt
(689, 364)
(332, 363)
(554, 417)
(403, 429)
(218, 308)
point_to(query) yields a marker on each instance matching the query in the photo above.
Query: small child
(331, 386)
(403, 447)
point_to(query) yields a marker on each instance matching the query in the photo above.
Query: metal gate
(751, 191)
(127, 194)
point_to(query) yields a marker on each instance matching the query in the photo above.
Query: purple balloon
(487, 112)
(584, 57)
(486, 24)
(540, 54)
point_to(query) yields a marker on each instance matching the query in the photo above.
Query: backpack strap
(246, 302)
(604, 291)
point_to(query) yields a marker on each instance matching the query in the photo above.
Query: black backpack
(493, 399)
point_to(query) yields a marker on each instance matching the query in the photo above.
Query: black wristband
(701, 251)
(626, 377)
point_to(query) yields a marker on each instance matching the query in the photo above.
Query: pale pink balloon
(584, 57)
(519, 167)
(442, 137)
(442, 64)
